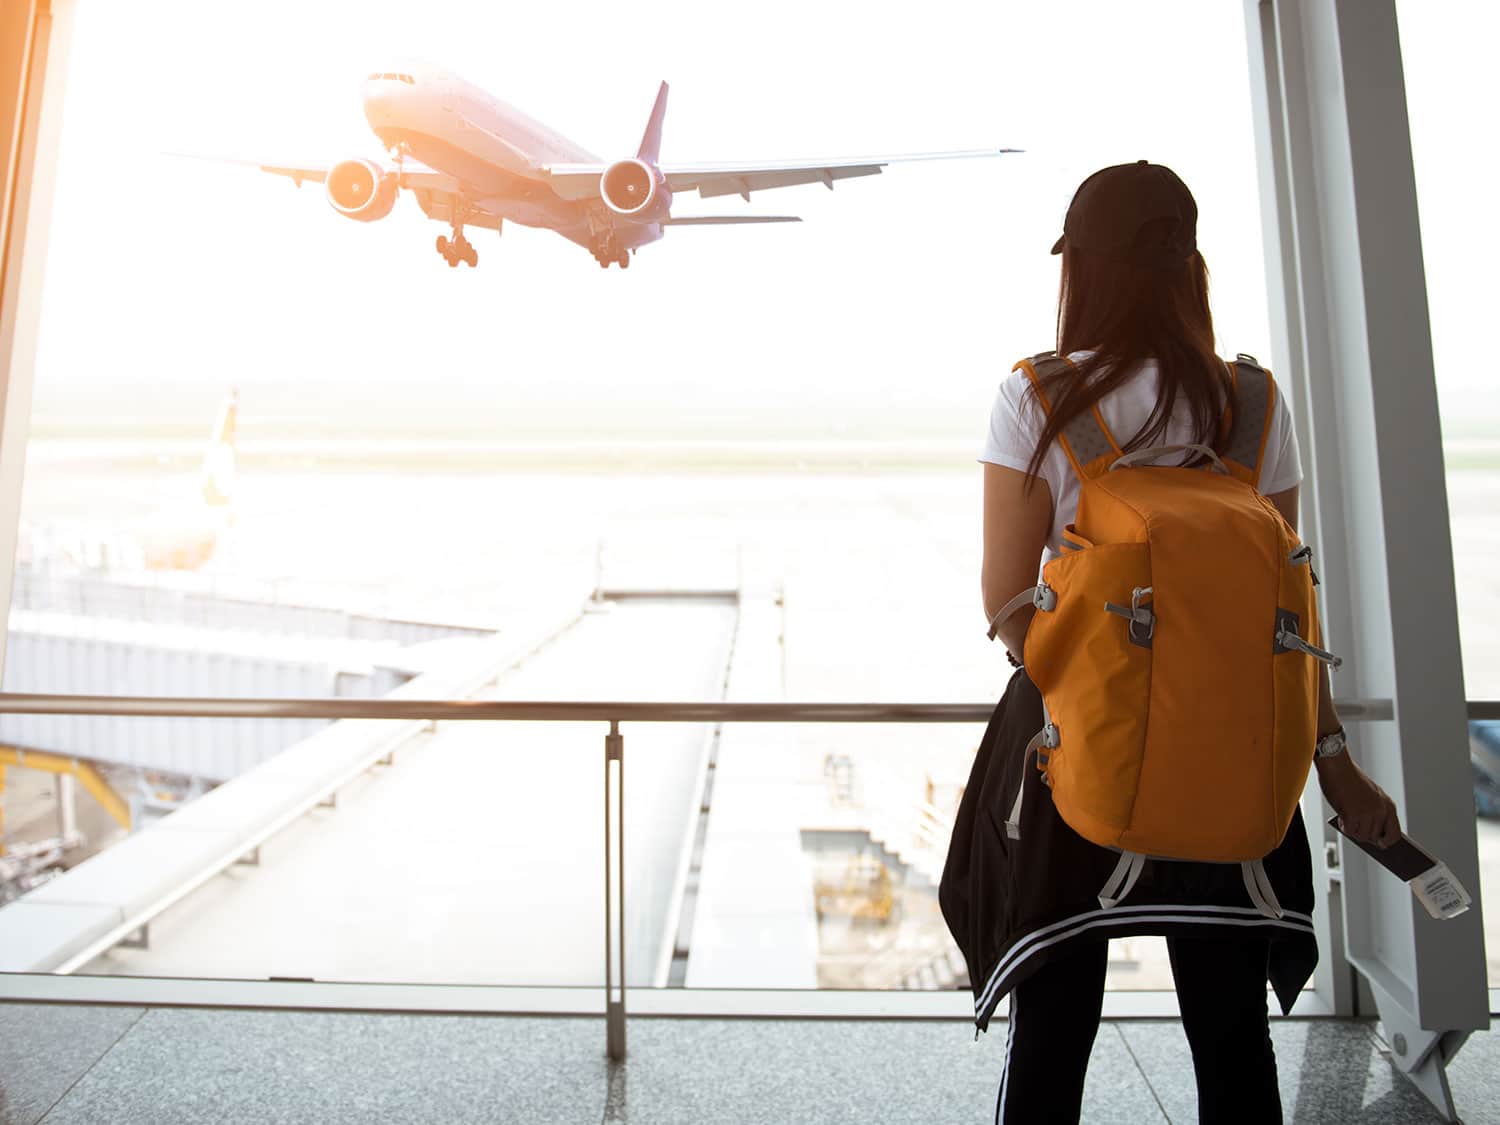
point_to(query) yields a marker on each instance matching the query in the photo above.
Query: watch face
(1332, 745)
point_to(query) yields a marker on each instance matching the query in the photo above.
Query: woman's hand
(1365, 812)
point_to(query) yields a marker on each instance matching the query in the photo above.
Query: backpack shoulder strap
(1247, 428)
(1090, 447)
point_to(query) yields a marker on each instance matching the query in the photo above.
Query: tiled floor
(122, 1066)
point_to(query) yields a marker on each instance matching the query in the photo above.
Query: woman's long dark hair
(1126, 314)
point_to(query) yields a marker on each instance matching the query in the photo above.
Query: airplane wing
(413, 176)
(728, 220)
(437, 192)
(581, 181)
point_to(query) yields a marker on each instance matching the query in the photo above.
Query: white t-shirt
(1016, 424)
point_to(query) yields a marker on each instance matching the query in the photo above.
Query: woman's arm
(1365, 811)
(1015, 532)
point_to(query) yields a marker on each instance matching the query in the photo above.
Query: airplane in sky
(471, 160)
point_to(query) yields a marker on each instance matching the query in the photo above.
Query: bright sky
(914, 290)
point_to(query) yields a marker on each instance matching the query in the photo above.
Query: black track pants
(1221, 989)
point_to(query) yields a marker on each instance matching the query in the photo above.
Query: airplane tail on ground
(650, 150)
(218, 458)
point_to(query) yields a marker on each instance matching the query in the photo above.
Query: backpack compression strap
(1090, 447)
(1246, 430)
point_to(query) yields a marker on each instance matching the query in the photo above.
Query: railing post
(614, 890)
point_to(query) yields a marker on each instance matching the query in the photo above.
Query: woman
(1134, 321)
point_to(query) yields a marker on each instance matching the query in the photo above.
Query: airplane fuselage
(492, 148)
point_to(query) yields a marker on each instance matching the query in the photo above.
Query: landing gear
(458, 249)
(607, 256)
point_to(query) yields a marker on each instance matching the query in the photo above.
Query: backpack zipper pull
(1301, 555)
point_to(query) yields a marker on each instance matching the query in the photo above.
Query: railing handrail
(446, 710)
(612, 712)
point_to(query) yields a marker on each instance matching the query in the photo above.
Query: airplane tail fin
(218, 458)
(224, 424)
(650, 149)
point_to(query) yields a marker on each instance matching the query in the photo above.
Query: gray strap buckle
(1289, 640)
(1043, 596)
(1142, 619)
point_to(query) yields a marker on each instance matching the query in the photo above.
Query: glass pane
(415, 869)
(275, 452)
(1447, 75)
(469, 853)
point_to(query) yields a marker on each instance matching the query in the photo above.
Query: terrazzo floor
(76, 1064)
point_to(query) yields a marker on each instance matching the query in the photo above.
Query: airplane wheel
(442, 245)
(604, 263)
(472, 257)
(452, 260)
(624, 261)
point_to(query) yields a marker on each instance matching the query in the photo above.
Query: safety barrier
(611, 713)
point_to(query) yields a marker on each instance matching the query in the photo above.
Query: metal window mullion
(1430, 774)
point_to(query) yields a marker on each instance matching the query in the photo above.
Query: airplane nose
(379, 99)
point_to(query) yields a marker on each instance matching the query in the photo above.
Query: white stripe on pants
(1010, 1037)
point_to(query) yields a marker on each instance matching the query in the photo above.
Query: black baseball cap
(1139, 213)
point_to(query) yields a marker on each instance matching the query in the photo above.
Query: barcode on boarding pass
(1440, 892)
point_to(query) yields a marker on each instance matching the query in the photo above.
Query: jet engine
(635, 191)
(361, 189)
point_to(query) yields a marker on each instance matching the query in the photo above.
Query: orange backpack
(1171, 647)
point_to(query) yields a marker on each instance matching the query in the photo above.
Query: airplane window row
(407, 78)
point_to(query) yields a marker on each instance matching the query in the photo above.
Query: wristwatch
(1332, 745)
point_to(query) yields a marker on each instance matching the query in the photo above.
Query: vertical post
(614, 890)
(67, 807)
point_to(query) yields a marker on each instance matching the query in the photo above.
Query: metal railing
(612, 712)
